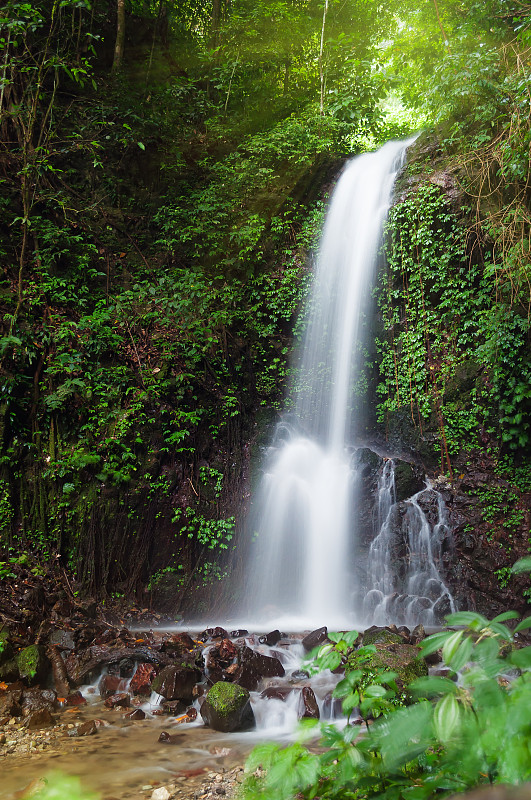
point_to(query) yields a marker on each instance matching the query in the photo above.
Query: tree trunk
(120, 36)
(216, 22)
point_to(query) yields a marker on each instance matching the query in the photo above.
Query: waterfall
(302, 520)
(415, 592)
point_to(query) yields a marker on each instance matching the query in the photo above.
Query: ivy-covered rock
(32, 663)
(227, 707)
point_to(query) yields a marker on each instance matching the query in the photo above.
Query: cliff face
(454, 359)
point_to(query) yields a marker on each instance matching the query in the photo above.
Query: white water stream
(304, 521)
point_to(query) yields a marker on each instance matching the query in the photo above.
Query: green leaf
(522, 565)
(505, 616)
(141, 145)
(425, 687)
(446, 718)
(434, 642)
(523, 625)
(469, 619)
(521, 658)
(451, 645)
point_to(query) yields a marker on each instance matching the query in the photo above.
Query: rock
(32, 663)
(11, 704)
(177, 682)
(213, 633)
(121, 700)
(308, 708)
(418, 634)
(178, 643)
(126, 667)
(63, 639)
(238, 634)
(76, 699)
(137, 713)
(376, 635)
(253, 667)
(220, 658)
(227, 707)
(160, 794)
(174, 707)
(170, 738)
(271, 639)
(276, 692)
(109, 685)
(88, 728)
(37, 699)
(142, 679)
(9, 671)
(299, 675)
(315, 638)
(41, 718)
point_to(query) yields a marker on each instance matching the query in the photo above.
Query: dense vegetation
(164, 167)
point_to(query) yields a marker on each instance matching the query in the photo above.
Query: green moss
(31, 663)
(227, 697)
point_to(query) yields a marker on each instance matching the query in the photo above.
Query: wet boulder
(41, 718)
(178, 644)
(37, 700)
(276, 693)
(88, 728)
(253, 667)
(177, 682)
(136, 714)
(11, 703)
(227, 707)
(209, 634)
(219, 658)
(142, 679)
(109, 685)
(315, 638)
(118, 700)
(308, 708)
(271, 638)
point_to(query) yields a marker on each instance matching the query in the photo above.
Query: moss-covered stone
(403, 659)
(227, 707)
(32, 663)
(376, 635)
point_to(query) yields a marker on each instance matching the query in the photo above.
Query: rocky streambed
(160, 713)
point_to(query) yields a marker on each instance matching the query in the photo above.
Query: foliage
(451, 347)
(455, 736)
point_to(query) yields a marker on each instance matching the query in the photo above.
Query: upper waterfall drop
(301, 572)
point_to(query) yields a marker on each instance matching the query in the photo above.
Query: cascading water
(302, 516)
(405, 536)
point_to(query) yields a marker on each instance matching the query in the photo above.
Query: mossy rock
(227, 707)
(403, 659)
(376, 635)
(32, 664)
